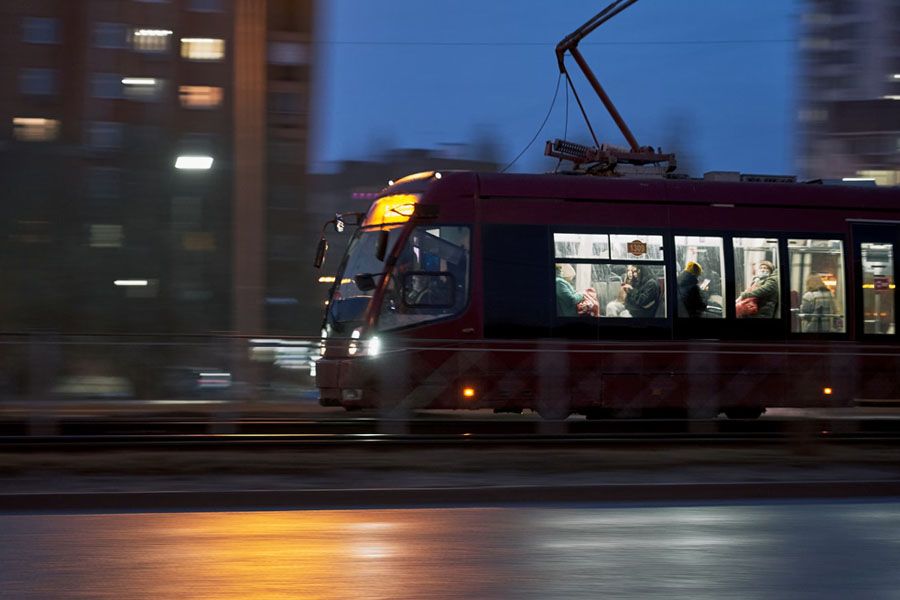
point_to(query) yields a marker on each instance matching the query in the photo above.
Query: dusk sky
(720, 77)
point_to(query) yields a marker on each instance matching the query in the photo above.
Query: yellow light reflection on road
(254, 555)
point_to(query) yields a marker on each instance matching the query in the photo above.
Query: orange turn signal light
(827, 391)
(468, 392)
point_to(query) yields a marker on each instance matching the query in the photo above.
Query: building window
(31, 129)
(109, 35)
(202, 49)
(106, 236)
(106, 85)
(40, 30)
(40, 82)
(147, 89)
(817, 286)
(103, 135)
(104, 182)
(200, 96)
(291, 54)
(285, 103)
(205, 5)
(151, 41)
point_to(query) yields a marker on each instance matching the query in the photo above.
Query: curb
(507, 496)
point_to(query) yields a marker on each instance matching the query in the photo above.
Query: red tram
(613, 296)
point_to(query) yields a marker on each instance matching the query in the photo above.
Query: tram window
(610, 290)
(631, 246)
(700, 262)
(817, 286)
(580, 245)
(878, 288)
(756, 276)
(438, 256)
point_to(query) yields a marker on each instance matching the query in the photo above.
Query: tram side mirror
(381, 245)
(365, 282)
(321, 249)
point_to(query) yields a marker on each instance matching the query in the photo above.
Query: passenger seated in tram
(569, 303)
(691, 293)
(641, 293)
(616, 308)
(764, 290)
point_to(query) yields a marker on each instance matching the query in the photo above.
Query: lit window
(29, 129)
(109, 35)
(882, 177)
(198, 241)
(104, 135)
(150, 40)
(106, 236)
(757, 279)
(39, 82)
(205, 5)
(878, 288)
(594, 286)
(700, 263)
(202, 48)
(288, 54)
(106, 85)
(817, 286)
(142, 88)
(39, 30)
(200, 96)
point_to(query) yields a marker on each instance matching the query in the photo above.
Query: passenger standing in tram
(641, 293)
(567, 299)
(817, 308)
(765, 290)
(691, 296)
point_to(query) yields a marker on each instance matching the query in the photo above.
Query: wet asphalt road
(848, 549)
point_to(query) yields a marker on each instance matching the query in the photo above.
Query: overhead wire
(540, 129)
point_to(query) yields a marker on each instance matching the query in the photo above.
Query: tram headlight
(359, 347)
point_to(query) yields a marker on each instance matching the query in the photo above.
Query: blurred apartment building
(153, 159)
(849, 117)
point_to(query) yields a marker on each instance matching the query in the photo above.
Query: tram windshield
(348, 302)
(430, 280)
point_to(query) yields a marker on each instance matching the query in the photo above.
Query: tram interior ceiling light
(194, 163)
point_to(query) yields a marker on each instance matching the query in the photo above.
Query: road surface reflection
(789, 550)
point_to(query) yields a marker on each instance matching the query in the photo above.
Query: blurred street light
(201, 163)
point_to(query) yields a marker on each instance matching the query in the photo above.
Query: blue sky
(717, 76)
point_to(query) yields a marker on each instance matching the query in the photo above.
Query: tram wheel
(744, 412)
(552, 412)
(599, 414)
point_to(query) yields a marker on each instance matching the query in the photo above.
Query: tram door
(876, 248)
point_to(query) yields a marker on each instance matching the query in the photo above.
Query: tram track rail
(350, 433)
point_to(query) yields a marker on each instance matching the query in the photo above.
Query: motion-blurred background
(167, 164)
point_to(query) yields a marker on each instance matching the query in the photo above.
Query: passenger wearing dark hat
(692, 301)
